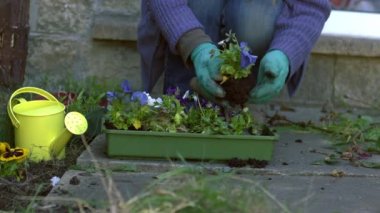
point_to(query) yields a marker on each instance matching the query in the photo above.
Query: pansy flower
(4, 147)
(172, 91)
(16, 154)
(126, 87)
(153, 101)
(246, 58)
(140, 96)
(111, 96)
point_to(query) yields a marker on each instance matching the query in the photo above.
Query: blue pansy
(246, 58)
(140, 96)
(111, 96)
(126, 87)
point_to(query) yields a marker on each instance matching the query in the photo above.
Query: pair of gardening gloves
(273, 71)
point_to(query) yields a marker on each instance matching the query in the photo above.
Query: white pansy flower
(209, 105)
(55, 180)
(186, 94)
(153, 101)
(159, 101)
(195, 98)
(222, 42)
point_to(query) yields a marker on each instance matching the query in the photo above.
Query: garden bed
(190, 146)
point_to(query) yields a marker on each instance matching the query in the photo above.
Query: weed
(354, 138)
(194, 190)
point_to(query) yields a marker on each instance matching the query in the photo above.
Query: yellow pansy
(4, 146)
(17, 154)
(137, 124)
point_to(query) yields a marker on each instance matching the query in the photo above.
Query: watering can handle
(34, 90)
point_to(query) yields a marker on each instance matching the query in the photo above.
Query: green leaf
(331, 159)
(373, 165)
(318, 162)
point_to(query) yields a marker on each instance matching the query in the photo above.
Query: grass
(192, 190)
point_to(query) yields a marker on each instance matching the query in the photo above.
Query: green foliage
(231, 57)
(168, 117)
(86, 102)
(355, 138)
(171, 116)
(89, 94)
(13, 169)
(241, 122)
(191, 190)
(211, 121)
(126, 114)
(350, 130)
(206, 120)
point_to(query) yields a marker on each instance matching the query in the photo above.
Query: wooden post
(14, 30)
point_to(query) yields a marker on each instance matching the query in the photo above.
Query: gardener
(177, 38)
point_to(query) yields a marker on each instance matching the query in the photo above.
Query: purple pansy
(126, 87)
(140, 96)
(172, 90)
(246, 58)
(111, 96)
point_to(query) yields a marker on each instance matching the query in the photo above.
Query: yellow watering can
(40, 124)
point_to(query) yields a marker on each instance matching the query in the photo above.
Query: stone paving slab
(298, 193)
(296, 152)
(87, 186)
(290, 158)
(291, 176)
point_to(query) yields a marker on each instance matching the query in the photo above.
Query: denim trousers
(253, 21)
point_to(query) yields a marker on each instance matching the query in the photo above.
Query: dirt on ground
(19, 192)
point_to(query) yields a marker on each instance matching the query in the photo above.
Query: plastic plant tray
(144, 144)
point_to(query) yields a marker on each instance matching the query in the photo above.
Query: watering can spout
(76, 124)
(58, 143)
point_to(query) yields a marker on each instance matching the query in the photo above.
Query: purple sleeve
(174, 18)
(297, 29)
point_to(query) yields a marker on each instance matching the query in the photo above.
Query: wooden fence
(14, 29)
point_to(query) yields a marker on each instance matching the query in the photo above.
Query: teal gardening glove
(273, 71)
(207, 67)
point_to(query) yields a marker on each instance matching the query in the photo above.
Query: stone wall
(79, 38)
(69, 39)
(344, 68)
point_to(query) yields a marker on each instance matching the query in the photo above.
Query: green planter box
(124, 143)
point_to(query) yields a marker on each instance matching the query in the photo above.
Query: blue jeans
(252, 21)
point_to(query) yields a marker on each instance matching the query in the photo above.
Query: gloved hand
(273, 71)
(195, 86)
(207, 67)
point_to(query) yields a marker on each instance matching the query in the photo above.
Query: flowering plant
(13, 161)
(12, 154)
(237, 60)
(128, 110)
